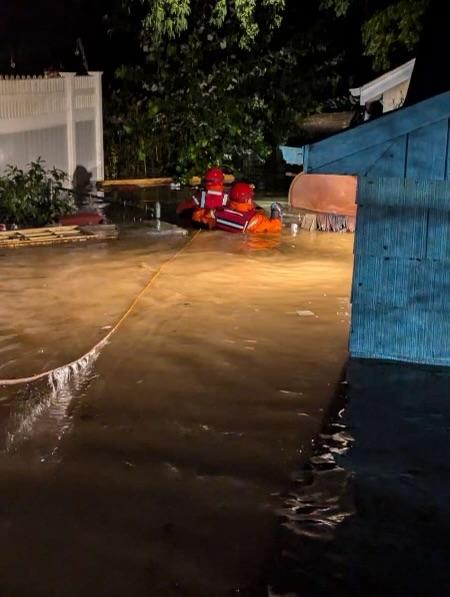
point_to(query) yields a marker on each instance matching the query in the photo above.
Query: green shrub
(35, 197)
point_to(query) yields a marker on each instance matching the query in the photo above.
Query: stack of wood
(55, 235)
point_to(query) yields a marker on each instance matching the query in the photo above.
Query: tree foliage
(217, 81)
(210, 95)
(388, 28)
(396, 27)
(170, 18)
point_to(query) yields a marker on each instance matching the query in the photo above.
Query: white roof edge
(375, 89)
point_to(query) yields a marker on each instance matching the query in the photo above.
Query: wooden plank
(427, 151)
(393, 162)
(43, 232)
(137, 182)
(384, 160)
(196, 180)
(155, 182)
(356, 163)
(389, 126)
(31, 230)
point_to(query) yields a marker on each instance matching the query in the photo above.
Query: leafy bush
(35, 197)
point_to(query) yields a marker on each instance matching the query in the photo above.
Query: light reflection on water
(41, 414)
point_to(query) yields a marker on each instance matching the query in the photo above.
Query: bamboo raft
(52, 235)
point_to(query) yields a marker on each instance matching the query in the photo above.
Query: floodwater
(369, 514)
(162, 467)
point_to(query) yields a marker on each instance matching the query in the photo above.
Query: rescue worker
(242, 215)
(209, 197)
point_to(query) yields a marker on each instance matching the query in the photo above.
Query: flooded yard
(160, 468)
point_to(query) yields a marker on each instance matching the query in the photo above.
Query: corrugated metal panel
(413, 335)
(405, 193)
(385, 282)
(391, 232)
(401, 280)
(438, 242)
(380, 282)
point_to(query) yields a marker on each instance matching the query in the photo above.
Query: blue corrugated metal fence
(401, 279)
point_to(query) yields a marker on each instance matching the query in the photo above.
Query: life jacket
(210, 199)
(232, 220)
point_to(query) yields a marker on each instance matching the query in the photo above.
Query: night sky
(42, 34)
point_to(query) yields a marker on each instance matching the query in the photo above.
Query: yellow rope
(102, 342)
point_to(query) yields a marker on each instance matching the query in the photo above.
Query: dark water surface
(370, 513)
(162, 468)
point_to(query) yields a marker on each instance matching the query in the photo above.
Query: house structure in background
(390, 89)
(58, 119)
(401, 279)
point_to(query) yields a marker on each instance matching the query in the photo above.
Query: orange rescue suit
(260, 222)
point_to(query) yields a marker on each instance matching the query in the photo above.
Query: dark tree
(431, 74)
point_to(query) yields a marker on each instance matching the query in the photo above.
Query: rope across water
(85, 357)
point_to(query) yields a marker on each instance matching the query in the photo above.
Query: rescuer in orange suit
(242, 215)
(209, 197)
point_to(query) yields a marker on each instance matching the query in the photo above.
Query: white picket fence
(57, 119)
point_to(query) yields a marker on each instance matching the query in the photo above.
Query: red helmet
(241, 192)
(214, 176)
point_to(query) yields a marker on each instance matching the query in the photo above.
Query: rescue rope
(83, 361)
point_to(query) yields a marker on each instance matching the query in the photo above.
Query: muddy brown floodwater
(158, 470)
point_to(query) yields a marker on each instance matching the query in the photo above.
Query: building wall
(58, 120)
(401, 279)
(395, 97)
(413, 142)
